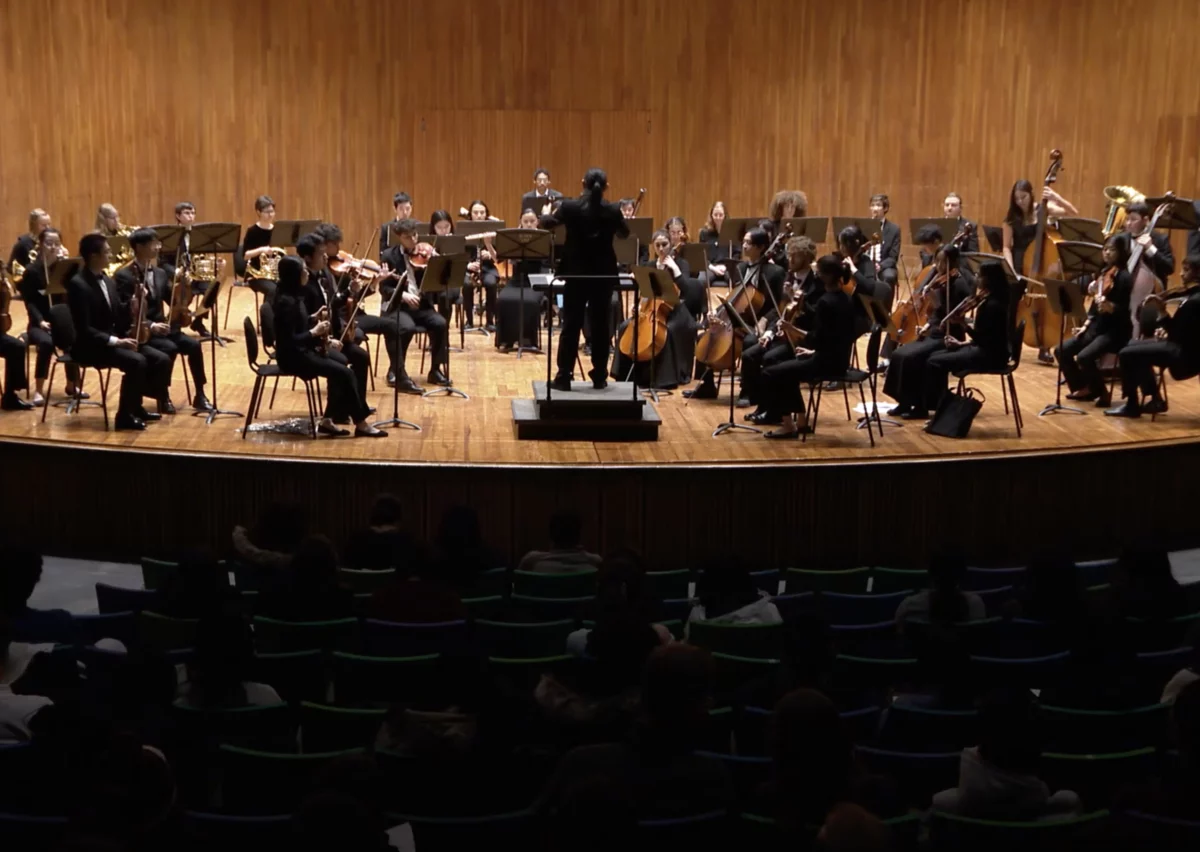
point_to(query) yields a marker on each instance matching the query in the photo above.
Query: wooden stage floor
(479, 431)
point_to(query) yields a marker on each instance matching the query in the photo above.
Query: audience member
(945, 602)
(16, 710)
(1103, 672)
(416, 596)
(1176, 792)
(1052, 592)
(270, 545)
(460, 553)
(197, 588)
(1187, 675)
(565, 554)
(851, 828)
(345, 810)
(218, 673)
(308, 590)
(728, 596)
(998, 778)
(1144, 587)
(621, 598)
(382, 544)
(659, 768)
(20, 572)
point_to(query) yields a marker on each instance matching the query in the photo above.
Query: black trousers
(692, 293)
(264, 286)
(885, 289)
(343, 399)
(144, 374)
(905, 380)
(1138, 361)
(490, 279)
(756, 358)
(360, 364)
(177, 343)
(41, 338)
(13, 350)
(590, 301)
(1079, 356)
(781, 383)
(942, 364)
(385, 327)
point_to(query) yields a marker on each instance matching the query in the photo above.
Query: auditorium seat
(326, 728)
(951, 833)
(850, 581)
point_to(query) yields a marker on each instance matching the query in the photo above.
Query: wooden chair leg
(104, 377)
(870, 430)
(187, 381)
(228, 302)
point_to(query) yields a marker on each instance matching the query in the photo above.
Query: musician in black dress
(591, 225)
(39, 220)
(298, 336)
(37, 307)
(989, 335)
(102, 325)
(823, 355)
(1108, 328)
(165, 337)
(482, 266)
(952, 208)
(542, 199)
(885, 254)
(718, 252)
(851, 243)
(405, 304)
(513, 329)
(1174, 344)
(943, 288)
(691, 290)
(256, 246)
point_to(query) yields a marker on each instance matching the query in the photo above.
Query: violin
(911, 315)
(356, 268)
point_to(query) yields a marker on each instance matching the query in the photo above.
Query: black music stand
(214, 238)
(652, 283)
(448, 245)
(1081, 230)
(731, 424)
(816, 228)
(439, 276)
(288, 232)
(865, 224)
(976, 259)
(731, 233)
(948, 227)
(1181, 216)
(1066, 298)
(516, 245)
(396, 421)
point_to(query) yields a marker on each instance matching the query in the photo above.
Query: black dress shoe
(490, 328)
(1126, 410)
(704, 391)
(147, 416)
(1103, 401)
(165, 406)
(370, 410)
(766, 418)
(781, 434)
(561, 383)
(127, 422)
(201, 403)
(391, 378)
(12, 402)
(898, 411)
(753, 416)
(436, 377)
(342, 421)
(1155, 406)
(1082, 395)
(407, 385)
(332, 431)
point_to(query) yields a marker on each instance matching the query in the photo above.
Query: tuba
(1119, 197)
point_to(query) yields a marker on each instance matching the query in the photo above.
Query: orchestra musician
(542, 198)
(947, 285)
(410, 307)
(1174, 345)
(952, 208)
(482, 268)
(1156, 245)
(691, 291)
(33, 288)
(718, 253)
(787, 204)
(298, 337)
(512, 329)
(673, 363)
(823, 355)
(885, 254)
(168, 339)
(12, 349)
(108, 221)
(1020, 222)
(928, 239)
(770, 346)
(26, 245)
(402, 208)
(326, 291)
(591, 225)
(102, 322)
(851, 244)
(441, 224)
(1108, 328)
(755, 273)
(256, 246)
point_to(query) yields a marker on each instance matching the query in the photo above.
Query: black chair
(62, 332)
(262, 372)
(1008, 387)
(852, 376)
(874, 371)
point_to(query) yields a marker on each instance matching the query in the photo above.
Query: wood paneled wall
(332, 105)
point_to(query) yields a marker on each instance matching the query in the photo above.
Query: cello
(913, 313)
(1043, 323)
(649, 327)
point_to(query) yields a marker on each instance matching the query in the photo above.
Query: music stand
(518, 244)
(731, 424)
(816, 228)
(1181, 216)
(441, 271)
(976, 259)
(866, 224)
(288, 232)
(696, 255)
(732, 231)
(1066, 298)
(214, 238)
(881, 316)
(62, 271)
(1080, 230)
(652, 283)
(948, 227)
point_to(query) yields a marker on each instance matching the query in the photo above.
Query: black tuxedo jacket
(394, 257)
(971, 243)
(772, 275)
(1163, 262)
(128, 277)
(532, 201)
(889, 247)
(96, 319)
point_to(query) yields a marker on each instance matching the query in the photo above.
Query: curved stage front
(1096, 482)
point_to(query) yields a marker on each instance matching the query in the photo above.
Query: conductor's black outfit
(174, 342)
(588, 251)
(296, 352)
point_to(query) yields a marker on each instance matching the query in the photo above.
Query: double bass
(1145, 281)
(1043, 323)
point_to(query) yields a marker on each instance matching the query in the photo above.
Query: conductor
(591, 224)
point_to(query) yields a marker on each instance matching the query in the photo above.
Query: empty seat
(951, 833)
(381, 681)
(325, 728)
(397, 639)
(269, 783)
(763, 641)
(273, 635)
(516, 639)
(851, 581)
(567, 584)
(365, 582)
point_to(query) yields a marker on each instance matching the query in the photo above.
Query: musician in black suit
(952, 207)
(887, 253)
(541, 199)
(1108, 327)
(166, 338)
(298, 336)
(33, 289)
(409, 307)
(338, 290)
(102, 322)
(1175, 345)
(851, 242)
(989, 335)
(402, 205)
(1157, 252)
(824, 353)
(591, 225)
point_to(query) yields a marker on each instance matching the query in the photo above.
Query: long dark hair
(992, 275)
(852, 239)
(1015, 215)
(594, 184)
(440, 216)
(1123, 244)
(290, 269)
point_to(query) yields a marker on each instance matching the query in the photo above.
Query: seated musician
(1173, 343)
(298, 336)
(1156, 252)
(886, 254)
(943, 289)
(802, 289)
(851, 243)
(441, 224)
(823, 355)
(37, 308)
(691, 291)
(405, 306)
(756, 274)
(102, 323)
(483, 264)
(25, 247)
(952, 208)
(108, 221)
(402, 208)
(1108, 328)
(718, 252)
(13, 349)
(988, 348)
(256, 246)
(542, 198)
(929, 240)
(519, 308)
(627, 206)
(787, 204)
(167, 338)
(673, 364)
